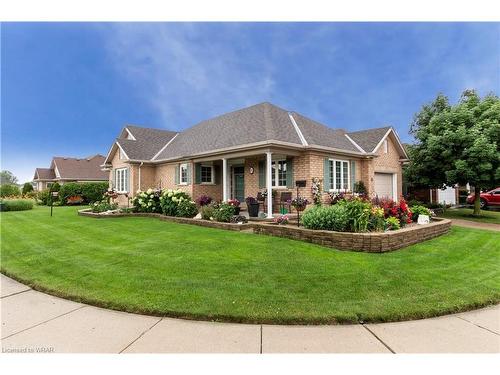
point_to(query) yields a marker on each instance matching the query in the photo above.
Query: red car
(489, 198)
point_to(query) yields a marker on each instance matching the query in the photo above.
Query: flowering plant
(336, 197)
(111, 194)
(234, 202)
(299, 203)
(103, 206)
(204, 200)
(147, 201)
(316, 191)
(399, 210)
(281, 220)
(170, 200)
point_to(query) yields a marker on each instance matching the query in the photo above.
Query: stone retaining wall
(181, 220)
(373, 242)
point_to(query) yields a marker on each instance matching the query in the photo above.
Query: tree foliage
(7, 178)
(456, 144)
(27, 187)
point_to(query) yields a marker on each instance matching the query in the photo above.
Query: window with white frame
(207, 174)
(385, 146)
(339, 175)
(121, 183)
(278, 174)
(183, 173)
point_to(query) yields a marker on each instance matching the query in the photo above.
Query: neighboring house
(64, 170)
(260, 147)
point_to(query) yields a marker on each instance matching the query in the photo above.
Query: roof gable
(369, 139)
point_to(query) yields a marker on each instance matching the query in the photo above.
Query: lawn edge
(220, 318)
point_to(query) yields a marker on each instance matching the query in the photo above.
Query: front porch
(251, 174)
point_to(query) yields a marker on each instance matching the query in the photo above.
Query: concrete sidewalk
(36, 322)
(475, 224)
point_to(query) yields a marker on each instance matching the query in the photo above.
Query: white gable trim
(355, 144)
(122, 150)
(116, 144)
(299, 133)
(164, 147)
(397, 139)
(130, 134)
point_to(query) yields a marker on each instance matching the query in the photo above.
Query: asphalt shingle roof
(258, 123)
(321, 135)
(369, 139)
(84, 169)
(44, 174)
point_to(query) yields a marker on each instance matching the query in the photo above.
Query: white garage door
(383, 185)
(447, 195)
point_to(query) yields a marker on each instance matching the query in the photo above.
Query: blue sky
(68, 88)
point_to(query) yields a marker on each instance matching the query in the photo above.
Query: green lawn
(487, 216)
(150, 266)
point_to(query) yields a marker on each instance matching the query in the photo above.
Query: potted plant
(253, 206)
(236, 204)
(299, 203)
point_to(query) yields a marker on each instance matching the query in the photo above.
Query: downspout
(140, 165)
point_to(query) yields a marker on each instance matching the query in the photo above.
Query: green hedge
(16, 205)
(89, 191)
(9, 191)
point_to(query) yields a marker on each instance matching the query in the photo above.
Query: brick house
(63, 170)
(262, 147)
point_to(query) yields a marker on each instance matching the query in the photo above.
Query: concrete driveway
(34, 322)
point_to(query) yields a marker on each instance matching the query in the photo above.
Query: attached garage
(384, 185)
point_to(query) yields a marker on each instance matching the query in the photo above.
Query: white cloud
(175, 69)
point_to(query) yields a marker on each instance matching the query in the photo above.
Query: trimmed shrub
(93, 191)
(326, 218)
(419, 210)
(27, 188)
(7, 190)
(223, 213)
(55, 186)
(170, 199)
(187, 209)
(147, 201)
(88, 191)
(16, 205)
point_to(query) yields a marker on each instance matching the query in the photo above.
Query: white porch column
(224, 180)
(269, 184)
